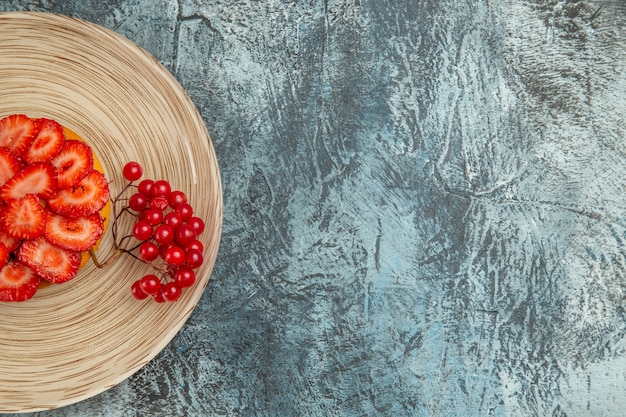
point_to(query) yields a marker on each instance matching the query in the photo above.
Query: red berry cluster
(167, 234)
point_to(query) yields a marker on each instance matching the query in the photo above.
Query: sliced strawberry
(73, 163)
(9, 241)
(88, 196)
(18, 282)
(9, 164)
(17, 131)
(52, 263)
(77, 234)
(39, 178)
(24, 218)
(47, 143)
(4, 255)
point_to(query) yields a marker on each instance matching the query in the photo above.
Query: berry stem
(94, 258)
(117, 243)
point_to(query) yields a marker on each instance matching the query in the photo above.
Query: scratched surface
(424, 207)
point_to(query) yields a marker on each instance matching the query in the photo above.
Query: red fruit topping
(9, 241)
(142, 230)
(51, 262)
(174, 255)
(164, 234)
(145, 187)
(132, 171)
(176, 198)
(18, 282)
(161, 188)
(185, 234)
(197, 224)
(4, 255)
(24, 218)
(159, 203)
(172, 219)
(171, 291)
(150, 284)
(39, 178)
(88, 196)
(47, 143)
(50, 198)
(148, 251)
(154, 216)
(137, 202)
(197, 245)
(185, 277)
(9, 165)
(17, 132)
(158, 297)
(73, 162)
(193, 258)
(167, 231)
(74, 233)
(137, 292)
(184, 210)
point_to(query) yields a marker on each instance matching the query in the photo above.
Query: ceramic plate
(75, 340)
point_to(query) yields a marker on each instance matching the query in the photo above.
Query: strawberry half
(52, 263)
(9, 241)
(39, 178)
(17, 132)
(24, 218)
(9, 165)
(88, 196)
(77, 234)
(73, 163)
(48, 142)
(18, 282)
(4, 255)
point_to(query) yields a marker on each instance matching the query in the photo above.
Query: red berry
(163, 249)
(5, 253)
(137, 202)
(185, 234)
(161, 188)
(196, 244)
(132, 171)
(158, 297)
(185, 277)
(163, 234)
(172, 219)
(176, 198)
(142, 230)
(197, 223)
(184, 210)
(150, 284)
(171, 291)
(137, 292)
(193, 258)
(145, 186)
(73, 162)
(148, 251)
(153, 216)
(159, 202)
(174, 255)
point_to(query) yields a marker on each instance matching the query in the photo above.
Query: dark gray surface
(424, 207)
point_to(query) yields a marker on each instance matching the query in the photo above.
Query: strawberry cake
(53, 200)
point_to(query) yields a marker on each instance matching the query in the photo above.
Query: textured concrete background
(424, 207)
